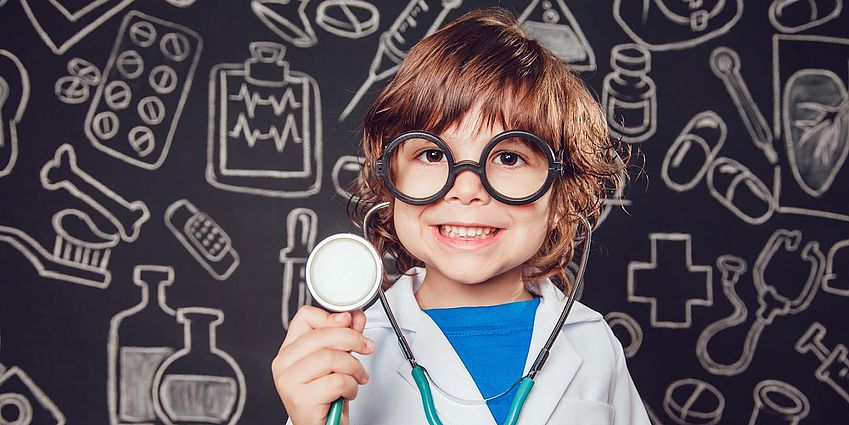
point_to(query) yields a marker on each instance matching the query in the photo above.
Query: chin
(467, 274)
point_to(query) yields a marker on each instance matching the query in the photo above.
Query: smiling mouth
(467, 232)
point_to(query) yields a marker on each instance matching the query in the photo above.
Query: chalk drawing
(834, 282)
(62, 24)
(792, 16)
(777, 401)
(834, 365)
(62, 172)
(552, 23)
(71, 90)
(653, 418)
(671, 301)
(81, 249)
(135, 352)
(816, 127)
(22, 402)
(691, 154)
(274, 14)
(301, 231)
(75, 87)
(740, 191)
(811, 111)
(692, 401)
(181, 3)
(419, 19)
(725, 64)
(85, 70)
(265, 129)
(629, 95)
(14, 95)
(153, 57)
(200, 383)
(348, 18)
(71, 261)
(774, 298)
(616, 320)
(203, 238)
(345, 171)
(663, 25)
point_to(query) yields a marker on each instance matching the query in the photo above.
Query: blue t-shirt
(492, 342)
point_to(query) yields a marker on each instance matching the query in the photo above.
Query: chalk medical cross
(670, 282)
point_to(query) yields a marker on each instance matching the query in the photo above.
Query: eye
(510, 159)
(432, 155)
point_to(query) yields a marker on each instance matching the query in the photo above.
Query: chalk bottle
(199, 384)
(140, 338)
(629, 94)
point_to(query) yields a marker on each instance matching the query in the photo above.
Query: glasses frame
(555, 167)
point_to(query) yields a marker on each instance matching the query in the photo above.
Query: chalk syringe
(834, 367)
(418, 20)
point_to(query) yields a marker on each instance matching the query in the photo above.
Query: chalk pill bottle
(629, 94)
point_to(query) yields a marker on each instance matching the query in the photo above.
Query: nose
(467, 189)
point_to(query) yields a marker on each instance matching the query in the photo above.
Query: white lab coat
(584, 382)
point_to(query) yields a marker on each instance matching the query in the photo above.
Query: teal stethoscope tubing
(419, 373)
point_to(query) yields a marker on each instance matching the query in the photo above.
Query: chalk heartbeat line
(252, 100)
(242, 129)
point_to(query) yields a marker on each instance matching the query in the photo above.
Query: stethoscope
(352, 259)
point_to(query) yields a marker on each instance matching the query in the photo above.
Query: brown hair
(485, 58)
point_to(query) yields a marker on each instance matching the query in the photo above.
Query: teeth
(458, 231)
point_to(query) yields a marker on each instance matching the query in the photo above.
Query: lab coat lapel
(562, 364)
(435, 353)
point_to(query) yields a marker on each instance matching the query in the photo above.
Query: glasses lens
(516, 167)
(418, 168)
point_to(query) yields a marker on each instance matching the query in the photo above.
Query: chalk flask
(629, 95)
(140, 339)
(199, 384)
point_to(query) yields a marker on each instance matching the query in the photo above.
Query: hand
(314, 365)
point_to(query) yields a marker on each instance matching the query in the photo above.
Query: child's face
(515, 232)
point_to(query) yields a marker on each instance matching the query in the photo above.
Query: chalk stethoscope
(353, 260)
(771, 303)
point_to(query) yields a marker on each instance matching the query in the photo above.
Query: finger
(358, 320)
(329, 388)
(325, 362)
(344, 339)
(308, 318)
(311, 403)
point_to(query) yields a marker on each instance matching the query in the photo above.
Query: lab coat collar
(434, 352)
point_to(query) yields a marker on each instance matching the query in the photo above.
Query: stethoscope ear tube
(519, 401)
(427, 396)
(576, 287)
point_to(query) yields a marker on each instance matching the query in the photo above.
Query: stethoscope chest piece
(344, 272)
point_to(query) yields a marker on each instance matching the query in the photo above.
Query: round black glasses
(516, 167)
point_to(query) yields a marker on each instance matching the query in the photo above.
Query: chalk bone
(62, 172)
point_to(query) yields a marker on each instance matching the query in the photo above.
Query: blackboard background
(57, 331)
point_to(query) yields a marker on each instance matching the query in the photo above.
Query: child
(484, 245)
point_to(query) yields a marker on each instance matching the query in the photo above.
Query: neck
(440, 291)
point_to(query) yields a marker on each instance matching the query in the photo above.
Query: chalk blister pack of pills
(137, 105)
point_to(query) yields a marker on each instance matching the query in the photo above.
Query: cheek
(539, 219)
(407, 226)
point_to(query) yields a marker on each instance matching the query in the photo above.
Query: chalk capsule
(743, 193)
(692, 152)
